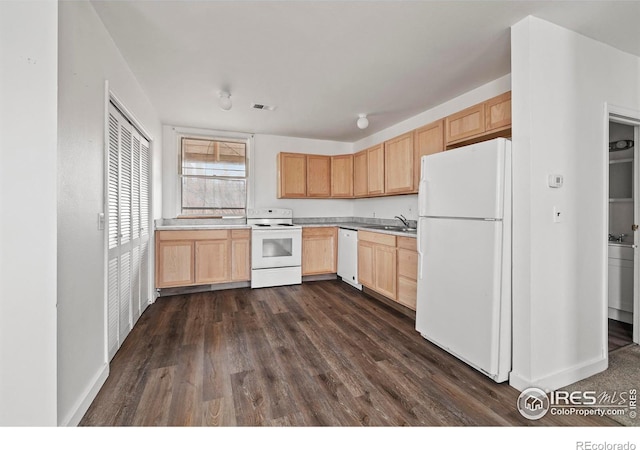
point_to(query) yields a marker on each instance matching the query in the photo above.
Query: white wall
(263, 173)
(561, 83)
(28, 58)
(388, 207)
(87, 57)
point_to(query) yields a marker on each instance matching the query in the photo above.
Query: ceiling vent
(263, 107)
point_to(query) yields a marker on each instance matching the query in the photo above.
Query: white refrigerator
(464, 251)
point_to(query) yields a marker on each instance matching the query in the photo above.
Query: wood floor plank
(316, 354)
(187, 401)
(153, 408)
(248, 399)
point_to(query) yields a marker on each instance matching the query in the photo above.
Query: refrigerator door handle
(419, 246)
(422, 197)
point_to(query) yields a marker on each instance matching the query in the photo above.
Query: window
(213, 175)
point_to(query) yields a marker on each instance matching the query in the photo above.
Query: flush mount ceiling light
(225, 100)
(362, 122)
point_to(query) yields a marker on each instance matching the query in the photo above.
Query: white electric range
(276, 247)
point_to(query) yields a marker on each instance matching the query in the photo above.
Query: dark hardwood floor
(620, 334)
(320, 353)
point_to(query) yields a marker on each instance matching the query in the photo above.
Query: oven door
(276, 248)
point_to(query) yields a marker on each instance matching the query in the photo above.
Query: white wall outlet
(100, 221)
(557, 215)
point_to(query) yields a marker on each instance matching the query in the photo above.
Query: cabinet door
(497, 112)
(174, 263)
(384, 274)
(426, 141)
(398, 164)
(318, 176)
(407, 277)
(212, 261)
(240, 255)
(292, 175)
(342, 176)
(375, 170)
(365, 263)
(360, 174)
(319, 250)
(465, 124)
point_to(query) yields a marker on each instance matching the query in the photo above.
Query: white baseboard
(620, 315)
(81, 407)
(560, 379)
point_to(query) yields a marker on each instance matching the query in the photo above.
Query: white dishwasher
(348, 256)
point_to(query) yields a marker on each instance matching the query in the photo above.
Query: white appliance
(348, 256)
(276, 247)
(464, 254)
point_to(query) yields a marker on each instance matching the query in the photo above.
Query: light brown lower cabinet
(388, 265)
(212, 261)
(319, 250)
(240, 255)
(377, 262)
(194, 257)
(407, 272)
(174, 262)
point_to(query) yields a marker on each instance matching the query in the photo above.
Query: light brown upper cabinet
(392, 167)
(360, 174)
(465, 124)
(292, 175)
(375, 170)
(398, 164)
(427, 140)
(486, 120)
(342, 176)
(497, 112)
(318, 176)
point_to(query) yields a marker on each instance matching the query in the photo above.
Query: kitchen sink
(392, 228)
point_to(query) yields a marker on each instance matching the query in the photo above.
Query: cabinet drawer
(240, 234)
(181, 235)
(407, 242)
(377, 238)
(319, 231)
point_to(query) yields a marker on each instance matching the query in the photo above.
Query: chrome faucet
(621, 237)
(403, 219)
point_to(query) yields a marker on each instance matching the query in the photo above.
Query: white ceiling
(321, 63)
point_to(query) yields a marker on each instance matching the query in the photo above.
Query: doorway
(128, 220)
(623, 240)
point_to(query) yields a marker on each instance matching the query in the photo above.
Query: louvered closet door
(128, 228)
